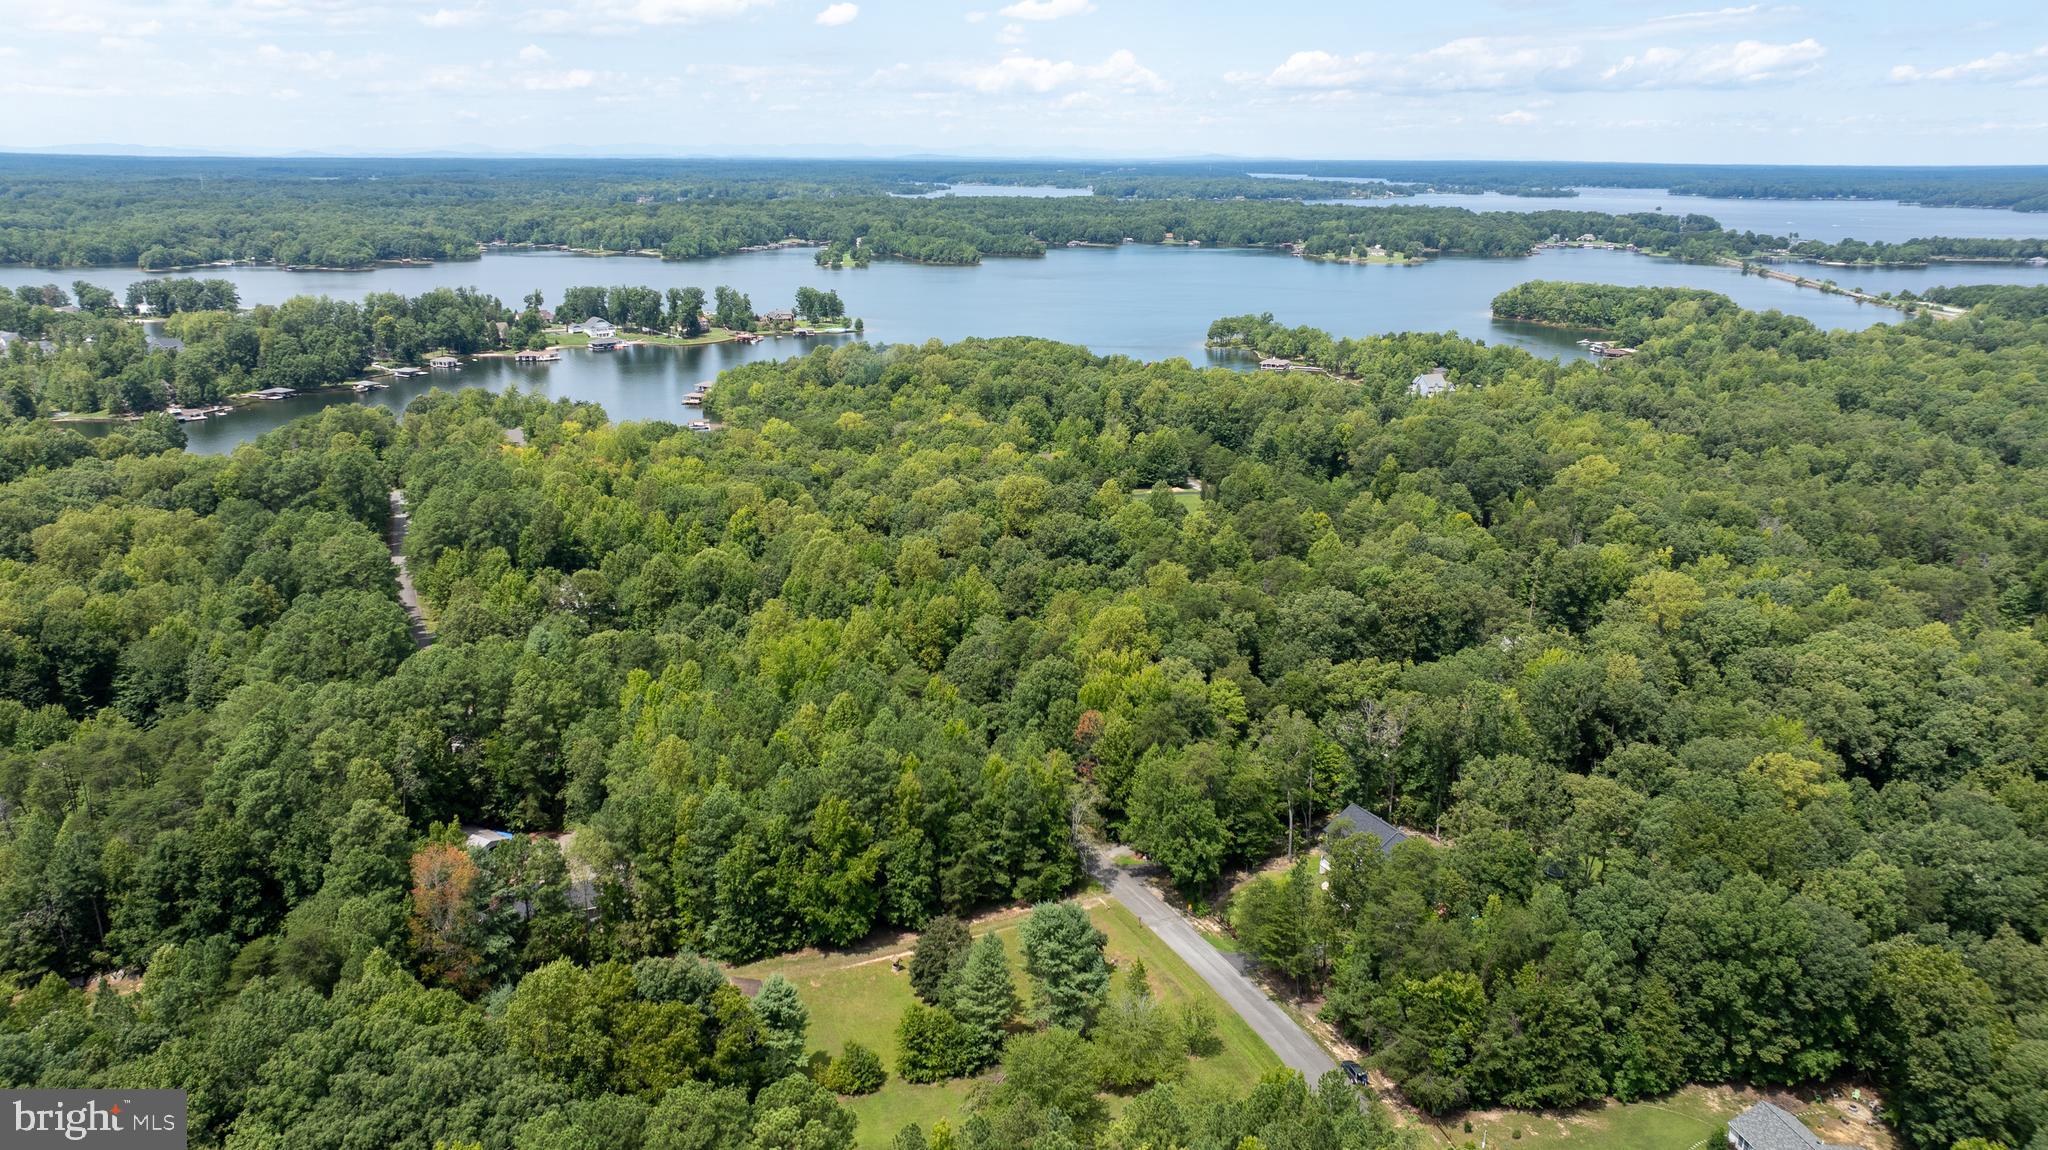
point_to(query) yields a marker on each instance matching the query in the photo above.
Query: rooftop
(1434, 382)
(1768, 1126)
(1354, 820)
(476, 836)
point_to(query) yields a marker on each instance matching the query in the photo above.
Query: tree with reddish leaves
(444, 916)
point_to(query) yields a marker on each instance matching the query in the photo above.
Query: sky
(1877, 81)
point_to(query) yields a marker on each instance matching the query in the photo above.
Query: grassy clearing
(1187, 499)
(860, 995)
(582, 339)
(1690, 1119)
(1682, 1121)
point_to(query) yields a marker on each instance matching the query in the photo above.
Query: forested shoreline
(1718, 671)
(157, 215)
(91, 359)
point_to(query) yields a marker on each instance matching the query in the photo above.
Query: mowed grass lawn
(1689, 1118)
(860, 996)
(1679, 1122)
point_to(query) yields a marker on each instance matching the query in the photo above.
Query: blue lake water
(1142, 301)
(1827, 220)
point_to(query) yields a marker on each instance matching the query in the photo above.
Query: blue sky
(1880, 81)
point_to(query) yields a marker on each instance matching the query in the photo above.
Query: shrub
(932, 1045)
(857, 1070)
(1198, 1031)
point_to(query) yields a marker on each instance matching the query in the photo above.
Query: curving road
(407, 596)
(1295, 1046)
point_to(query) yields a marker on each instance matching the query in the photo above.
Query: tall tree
(987, 999)
(1063, 954)
(784, 1023)
(688, 311)
(734, 310)
(940, 956)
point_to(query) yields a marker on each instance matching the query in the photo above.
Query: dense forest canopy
(171, 213)
(1718, 672)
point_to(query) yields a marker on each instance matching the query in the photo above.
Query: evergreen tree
(1063, 954)
(940, 956)
(1652, 1049)
(784, 1022)
(986, 1000)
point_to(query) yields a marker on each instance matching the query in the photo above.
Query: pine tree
(986, 1000)
(784, 1022)
(941, 953)
(1652, 1051)
(1063, 956)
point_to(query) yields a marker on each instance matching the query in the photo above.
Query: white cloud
(1048, 9)
(324, 64)
(1021, 73)
(452, 17)
(533, 54)
(1492, 64)
(837, 14)
(1717, 65)
(677, 11)
(72, 23)
(1312, 69)
(1473, 64)
(1516, 118)
(568, 81)
(1011, 34)
(1997, 66)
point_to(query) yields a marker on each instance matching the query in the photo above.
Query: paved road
(1294, 1045)
(395, 537)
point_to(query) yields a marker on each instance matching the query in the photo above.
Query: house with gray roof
(163, 343)
(603, 336)
(1768, 1126)
(1433, 382)
(1356, 820)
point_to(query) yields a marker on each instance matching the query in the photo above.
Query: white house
(603, 336)
(1435, 382)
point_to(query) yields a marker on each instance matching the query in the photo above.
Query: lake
(1827, 220)
(1144, 301)
(984, 191)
